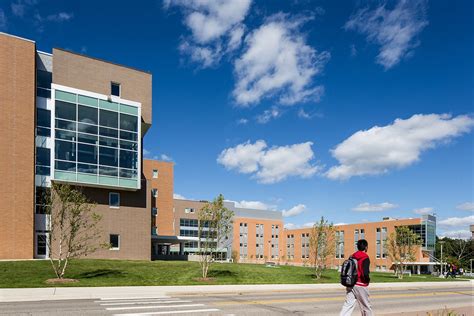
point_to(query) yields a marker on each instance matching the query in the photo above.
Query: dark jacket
(363, 268)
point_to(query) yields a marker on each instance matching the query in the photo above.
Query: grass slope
(17, 274)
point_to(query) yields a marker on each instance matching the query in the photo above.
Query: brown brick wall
(164, 201)
(349, 242)
(17, 146)
(132, 221)
(94, 75)
(179, 211)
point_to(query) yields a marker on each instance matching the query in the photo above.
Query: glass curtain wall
(96, 141)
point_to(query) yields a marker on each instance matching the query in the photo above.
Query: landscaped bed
(129, 273)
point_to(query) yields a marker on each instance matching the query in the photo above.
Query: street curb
(69, 293)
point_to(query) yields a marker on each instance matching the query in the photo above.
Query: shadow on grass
(222, 273)
(99, 273)
(322, 278)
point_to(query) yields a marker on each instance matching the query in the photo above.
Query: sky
(349, 110)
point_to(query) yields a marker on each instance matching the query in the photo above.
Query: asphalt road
(385, 302)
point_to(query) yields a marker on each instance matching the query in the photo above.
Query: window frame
(155, 173)
(112, 84)
(110, 196)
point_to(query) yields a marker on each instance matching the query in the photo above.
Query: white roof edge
(19, 37)
(41, 52)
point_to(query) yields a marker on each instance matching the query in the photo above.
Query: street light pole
(441, 243)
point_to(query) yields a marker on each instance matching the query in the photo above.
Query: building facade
(376, 233)
(73, 119)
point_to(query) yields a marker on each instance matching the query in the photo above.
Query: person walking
(359, 292)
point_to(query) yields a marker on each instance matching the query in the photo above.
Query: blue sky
(354, 111)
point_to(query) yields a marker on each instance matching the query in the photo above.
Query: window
(43, 156)
(114, 242)
(128, 122)
(65, 110)
(154, 192)
(189, 210)
(115, 89)
(114, 199)
(109, 119)
(155, 173)
(87, 114)
(41, 244)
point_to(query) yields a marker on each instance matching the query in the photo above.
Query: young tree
(215, 227)
(321, 245)
(73, 227)
(401, 247)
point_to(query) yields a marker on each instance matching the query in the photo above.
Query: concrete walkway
(68, 293)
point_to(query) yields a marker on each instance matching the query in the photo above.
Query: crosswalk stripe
(172, 312)
(145, 302)
(158, 297)
(152, 307)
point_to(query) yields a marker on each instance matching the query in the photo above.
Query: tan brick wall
(17, 122)
(252, 239)
(94, 75)
(164, 201)
(349, 242)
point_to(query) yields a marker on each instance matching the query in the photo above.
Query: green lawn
(122, 273)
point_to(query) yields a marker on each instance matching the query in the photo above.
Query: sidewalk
(68, 293)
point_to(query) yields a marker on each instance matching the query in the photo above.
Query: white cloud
(289, 226)
(3, 20)
(270, 165)
(21, 6)
(268, 115)
(340, 224)
(456, 234)
(177, 196)
(146, 153)
(216, 27)
(368, 207)
(457, 221)
(242, 121)
(166, 157)
(60, 17)
(309, 224)
(256, 205)
(423, 211)
(468, 206)
(295, 210)
(303, 114)
(398, 145)
(395, 30)
(278, 63)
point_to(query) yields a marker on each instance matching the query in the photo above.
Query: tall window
(115, 89)
(154, 192)
(356, 238)
(155, 173)
(340, 244)
(114, 200)
(114, 241)
(378, 243)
